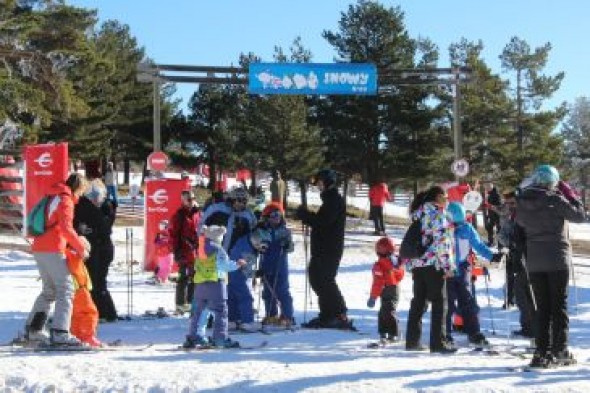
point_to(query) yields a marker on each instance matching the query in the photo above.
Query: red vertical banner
(162, 200)
(45, 165)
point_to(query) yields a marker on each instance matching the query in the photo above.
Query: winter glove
(567, 191)
(371, 302)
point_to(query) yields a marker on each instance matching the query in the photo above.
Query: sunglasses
(241, 200)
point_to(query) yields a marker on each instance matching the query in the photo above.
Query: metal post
(458, 136)
(157, 134)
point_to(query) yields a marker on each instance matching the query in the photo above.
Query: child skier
(239, 295)
(387, 273)
(458, 286)
(211, 292)
(274, 269)
(84, 318)
(164, 254)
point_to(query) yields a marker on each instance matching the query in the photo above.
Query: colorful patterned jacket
(437, 235)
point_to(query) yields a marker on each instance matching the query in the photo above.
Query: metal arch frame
(454, 77)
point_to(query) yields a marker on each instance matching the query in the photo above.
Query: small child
(211, 292)
(240, 300)
(387, 273)
(163, 253)
(274, 269)
(84, 320)
(459, 286)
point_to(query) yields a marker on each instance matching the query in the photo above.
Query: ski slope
(309, 361)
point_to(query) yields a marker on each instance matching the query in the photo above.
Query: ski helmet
(239, 194)
(384, 246)
(327, 176)
(546, 175)
(456, 212)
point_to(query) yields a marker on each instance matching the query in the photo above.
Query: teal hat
(546, 175)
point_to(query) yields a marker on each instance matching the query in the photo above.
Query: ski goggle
(275, 215)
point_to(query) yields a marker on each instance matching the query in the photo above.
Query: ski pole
(275, 299)
(575, 286)
(486, 278)
(306, 294)
(508, 332)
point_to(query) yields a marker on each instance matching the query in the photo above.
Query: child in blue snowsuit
(274, 269)
(239, 295)
(211, 291)
(459, 286)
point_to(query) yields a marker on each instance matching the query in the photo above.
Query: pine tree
(536, 142)
(391, 136)
(485, 106)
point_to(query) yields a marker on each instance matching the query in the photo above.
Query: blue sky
(214, 32)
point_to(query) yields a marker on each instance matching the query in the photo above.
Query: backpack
(411, 246)
(36, 219)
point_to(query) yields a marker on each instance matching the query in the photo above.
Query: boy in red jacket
(387, 273)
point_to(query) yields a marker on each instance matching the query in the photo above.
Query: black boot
(35, 331)
(564, 358)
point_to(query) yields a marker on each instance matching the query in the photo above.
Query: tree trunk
(253, 181)
(345, 190)
(126, 169)
(303, 190)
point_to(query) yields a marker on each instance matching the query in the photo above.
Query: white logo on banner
(44, 160)
(159, 196)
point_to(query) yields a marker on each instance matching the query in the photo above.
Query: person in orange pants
(84, 312)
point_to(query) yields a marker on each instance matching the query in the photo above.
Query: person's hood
(61, 189)
(533, 198)
(330, 190)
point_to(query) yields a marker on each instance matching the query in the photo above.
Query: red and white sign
(157, 161)
(45, 165)
(460, 168)
(162, 200)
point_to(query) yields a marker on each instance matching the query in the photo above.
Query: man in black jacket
(543, 210)
(327, 246)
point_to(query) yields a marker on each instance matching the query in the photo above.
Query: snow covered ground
(300, 361)
(311, 361)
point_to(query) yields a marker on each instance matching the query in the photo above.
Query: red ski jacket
(379, 194)
(386, 272)
(183, 234)
(60, 218)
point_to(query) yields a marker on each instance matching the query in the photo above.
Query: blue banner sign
(310, 78)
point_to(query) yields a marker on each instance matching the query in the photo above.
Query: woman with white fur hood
(94, 216)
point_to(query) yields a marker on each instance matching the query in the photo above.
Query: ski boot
(542, 359)
(479, 340)
(564, 358)
(63, 338)
(192, 342)
(225, 343)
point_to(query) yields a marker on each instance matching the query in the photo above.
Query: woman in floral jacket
(430, 270)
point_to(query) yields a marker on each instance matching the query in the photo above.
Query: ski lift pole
(128, 263)
(131, 269)
(304, 231)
